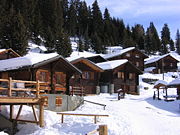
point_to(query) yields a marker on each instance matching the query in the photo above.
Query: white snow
(161, 82)
(111, 64)
(118, 53)
(29, 59)
(133, 115)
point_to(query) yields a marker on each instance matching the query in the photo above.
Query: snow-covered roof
(28, 60)
(175, 82)
(2, 50)
(149, 69)
(111, 64)
(157, 58)
(161, 82)
(118, 53)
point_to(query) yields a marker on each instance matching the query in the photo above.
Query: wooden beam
(9, 90)
(10, 100)
(34, 112)
(19, 112)
(11, 111)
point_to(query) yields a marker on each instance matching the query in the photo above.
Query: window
(43, 75)
(88, 75)
(60, 77)
(137, 64)
(131, 76)
(58, 101)
(128, 55)
(171, 64)
(137, 56)
(121, 75)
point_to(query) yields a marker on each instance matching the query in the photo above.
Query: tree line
(52, 22)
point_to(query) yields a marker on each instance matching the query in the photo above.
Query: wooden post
(158, 94)
(34, 112)
(95, 120)
(11, 112)
(103, 130)
(37, 88)
(41, 113)
(62, 118)
(10, 84)
(19, 112)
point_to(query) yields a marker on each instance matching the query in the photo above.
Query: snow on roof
(28, 60)
(36, 48)
(175, 82)
(149, 69)
(118, 53)
(1, 50)
(111, 64)
(161, 82)
(157, 58)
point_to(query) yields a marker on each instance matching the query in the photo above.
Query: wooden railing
(78, 114)
(75, 90)
(13, 88)
(104, 106)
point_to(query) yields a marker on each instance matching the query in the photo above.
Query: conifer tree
(152, 41)
(14, 32)
(165, 38)
(178, 42)
(171, 43)
(138, 36)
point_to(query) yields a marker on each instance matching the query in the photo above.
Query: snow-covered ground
(133, 115)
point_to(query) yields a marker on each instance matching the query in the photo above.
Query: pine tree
(127, 38)
(14, 32)
(172, 48)
(138, 36)
(152, 41)
(165, 38)
(178, 42)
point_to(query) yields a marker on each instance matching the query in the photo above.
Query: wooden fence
(19, 92)
(78, 114)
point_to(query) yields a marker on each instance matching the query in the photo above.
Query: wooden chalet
(7, 54)
(133, 55)
(52, 69)
(161, 64)
(122, 74)
(89, 80)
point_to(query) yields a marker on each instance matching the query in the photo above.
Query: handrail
(9, 86)
(96, 103)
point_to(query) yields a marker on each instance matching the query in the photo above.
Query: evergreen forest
(52, 22)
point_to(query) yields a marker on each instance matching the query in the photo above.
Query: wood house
(120, 74)
(133, 55)
(50, 68)
(7, 54)
(161, 64)
(90, 75)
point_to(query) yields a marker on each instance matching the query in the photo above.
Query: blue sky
(145, 11)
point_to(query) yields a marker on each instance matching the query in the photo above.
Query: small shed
(175, 84)
(160, 84)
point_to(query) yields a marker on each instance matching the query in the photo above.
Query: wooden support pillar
(10, 85)
(103, 130)
(37, 89)
(95, 119)
(19, 112)
(62, 118)
(158, 93)
(11, 112)
(41, 113)
(34, 112)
